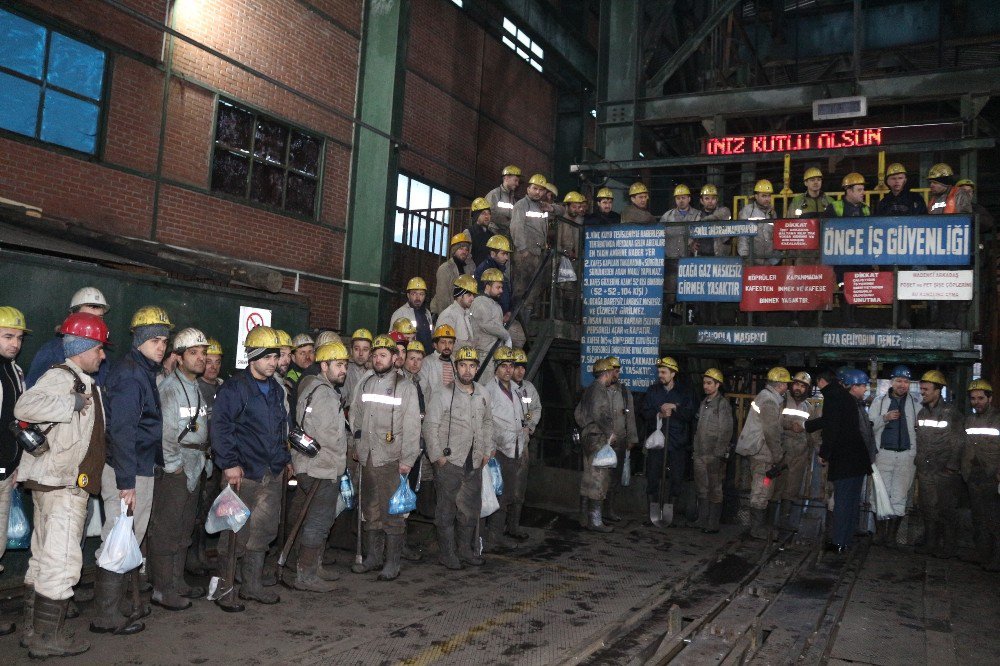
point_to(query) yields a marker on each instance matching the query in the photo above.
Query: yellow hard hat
(551, 188)
(803, 377)
(404, 325)
(214, 347)
(284, 339)
(150, 315)
(499, 242)
(966, 181)
(637, 188)
(895, 168)
(537, 179)
(615, 363)
(778, 374)
(601, 365)
(714, 373)
(467, 354)
(384, 342)
(416, 346)
(302, 340)
(681, 190)
(940, 170)
(605, 193)
(443, 331)
(811, 172)
(478, 204)
(934, 376)
(980, 385)
(416, 283)
(520, 356)
(852, 179)
(511, 170)
(709, 190)
(668, 362)
(468, 283)
(460, 238)
(11, 317)
(362, 334)
(492, 275)
(574, 197)
(331, 351)
(261, 337)
(503, 354)
(763, 186)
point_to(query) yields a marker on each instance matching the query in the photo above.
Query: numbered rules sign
(249, 317)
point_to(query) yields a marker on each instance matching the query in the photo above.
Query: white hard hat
(89, 296)
(301, 340)
(189, 337)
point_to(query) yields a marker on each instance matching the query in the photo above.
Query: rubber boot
(253, 587)
(374, 552)
(584, 518)
(411, 553)
(164, 591)
(466, 553)
(714, 514)
(892, 532)
(596, 522)
(196, 558)
(514, 528)
(930, 539)
(81, 595)
(772, 513)
(994, 563)
(495, 541)
(607, 510)
(107, 595)
(306, 571)
(446, 548)
(323, 572)
(51, 638)
(127, 604)
(947, 545)
(703, 509)
(72, 611)
(785, 522)
(28, 627)
(759, 527)
(393, 551)
(180, 585)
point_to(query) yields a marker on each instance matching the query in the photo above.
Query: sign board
(705, 279)
(785, 288)
(933, 240)
(249, 317)
(869, 288)
(785, 338)
(721, 229)
(796, 234)
(732, 336)
(842, 139)
(622, 300)
(935, 286)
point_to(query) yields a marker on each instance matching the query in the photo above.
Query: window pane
(536, 49)
(229, 173)
(303, 154)
(23, 45)
(267, 183)
(523, 38)
(269, 142)
(397, 233)
(523, 54)
(300, 195)
(69, 122)
(439, 199)
(509, 26)
(75, 66)
(535, 64)
(508, 42)
(18, 104)
(234, 127)
(402, 189)
(420, 195)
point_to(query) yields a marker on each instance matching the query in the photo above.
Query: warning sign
(935, 285)
(249, 317)
(869, 288)
(776, 288)
(796, 234)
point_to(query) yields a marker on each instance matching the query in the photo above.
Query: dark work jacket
(248, 428)
(51, 353)
(843, 447)
(480, 236)
(680, 423)
(133, 417)
(597, 217)
(907, 203)
(506, 298)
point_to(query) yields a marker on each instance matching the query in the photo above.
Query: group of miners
(158, 434)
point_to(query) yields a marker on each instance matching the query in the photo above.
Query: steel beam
(655, 82)
(618, 80)
(375, 160)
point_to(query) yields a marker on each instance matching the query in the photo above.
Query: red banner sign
(869, 288)
(771, 288)
(796, 234)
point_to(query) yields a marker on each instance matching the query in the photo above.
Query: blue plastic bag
(18, 527)
(496, 476)
(347, 490)
(606, 457)
(403, 500)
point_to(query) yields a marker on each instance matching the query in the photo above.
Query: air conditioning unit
(840, 107)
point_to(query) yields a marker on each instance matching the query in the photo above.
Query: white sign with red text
(249, 317)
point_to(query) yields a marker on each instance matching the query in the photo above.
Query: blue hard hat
(842, 373)
(901, 371)
(854, 377)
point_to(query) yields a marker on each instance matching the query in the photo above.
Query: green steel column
(618, 63)
(375, 162)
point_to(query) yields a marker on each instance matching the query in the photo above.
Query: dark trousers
(459, 495)
(677, 461)
(322, 510)
(846, 505)
(263, 498)
(378, 485)
(171, 521)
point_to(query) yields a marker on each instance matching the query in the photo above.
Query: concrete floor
(571, 596)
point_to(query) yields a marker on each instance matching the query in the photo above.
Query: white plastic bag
(606, 457)
(489, 497)
(883, 505)
(656, 440)
(566, 272)
(228, 512)
(627, 470)
(120, 552)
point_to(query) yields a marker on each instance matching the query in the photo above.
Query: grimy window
(265, 161)
(51, 86)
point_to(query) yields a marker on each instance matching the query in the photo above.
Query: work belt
(198, 447)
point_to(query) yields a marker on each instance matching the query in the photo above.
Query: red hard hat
(85, 325)
(398, 337)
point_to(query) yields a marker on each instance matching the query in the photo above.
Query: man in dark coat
(847, 448)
